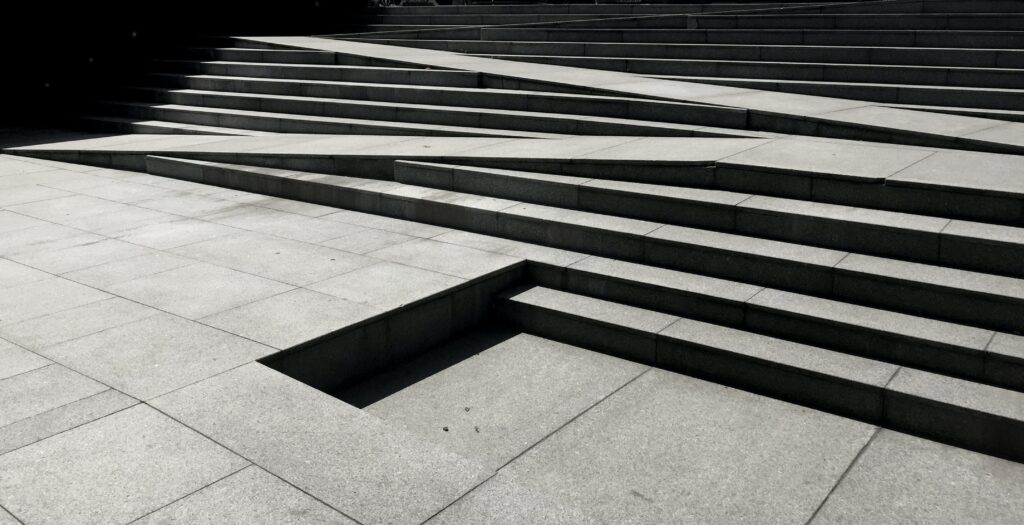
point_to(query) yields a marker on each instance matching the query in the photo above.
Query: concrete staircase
(959, 56)
(674, 209)
(921, 348)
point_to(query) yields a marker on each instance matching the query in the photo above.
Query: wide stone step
(491, 98)
(810, 37)
(966, 97)
(1008, 115)
(621, 9)
(762, 262)
(242, 54)
(498, 121)
(294, 123)
(130, 125)
(767, 70)
(858, 21)
(864, 230)
(900, 398)
(337, 73)
(865, 55)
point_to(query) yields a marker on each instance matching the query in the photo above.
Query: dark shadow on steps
(14, 137)
(486, 335)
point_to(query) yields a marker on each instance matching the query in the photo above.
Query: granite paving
(232, 323)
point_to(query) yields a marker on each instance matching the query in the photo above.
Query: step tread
(967, 395)
(435, 108)
(314, 118)
(786, 353)
(920, 328)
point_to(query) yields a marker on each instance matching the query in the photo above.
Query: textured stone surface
(457, 261)
(248, 496)
(904, 479)
(284, 260)
(387, 285)
(502, 500)
(156, 355)
(316, 443)
(15, 360)
(198, 290)
(112, 470)
(48, 330)
(119, 287)
(37, 391)
(498, 403)
(659, 449)
(56, 420)
(291, 318)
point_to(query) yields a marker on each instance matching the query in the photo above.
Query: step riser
(626, 109)
(430, 116)
(925, 96)
(984, 58)
(284, 125)
(946, 39)
(369, 75)
(924, 246)
(927, 22)
(1005, 79)
(581, 9)
(975, 430)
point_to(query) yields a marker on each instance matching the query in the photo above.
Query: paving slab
(962, 171)
(496, 404)
(156, 355)
(291, 318)
(42, 389)
(671, 449)
(250, 495)
(113, 470)
(781, 103)
(48, 330)
(13, 274)
(450, 259)
(502, 500)
(694, 150)
(188, 205)
(7, 519)
(38, 237)
(16, 360)
(106, 275)
(367, 240)
(827, 159)
(172, 234)
(368, 220)
(123, 191)
(81, 255)
(116, 223)
(47, 296)
(67, 208)
(282, 224)
(284, 260)
(387, 285)
(10, 221)
(316, 443)
(63, 418)
(905, 479)
(198, 290)
(912, 121)
(1008, 133)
